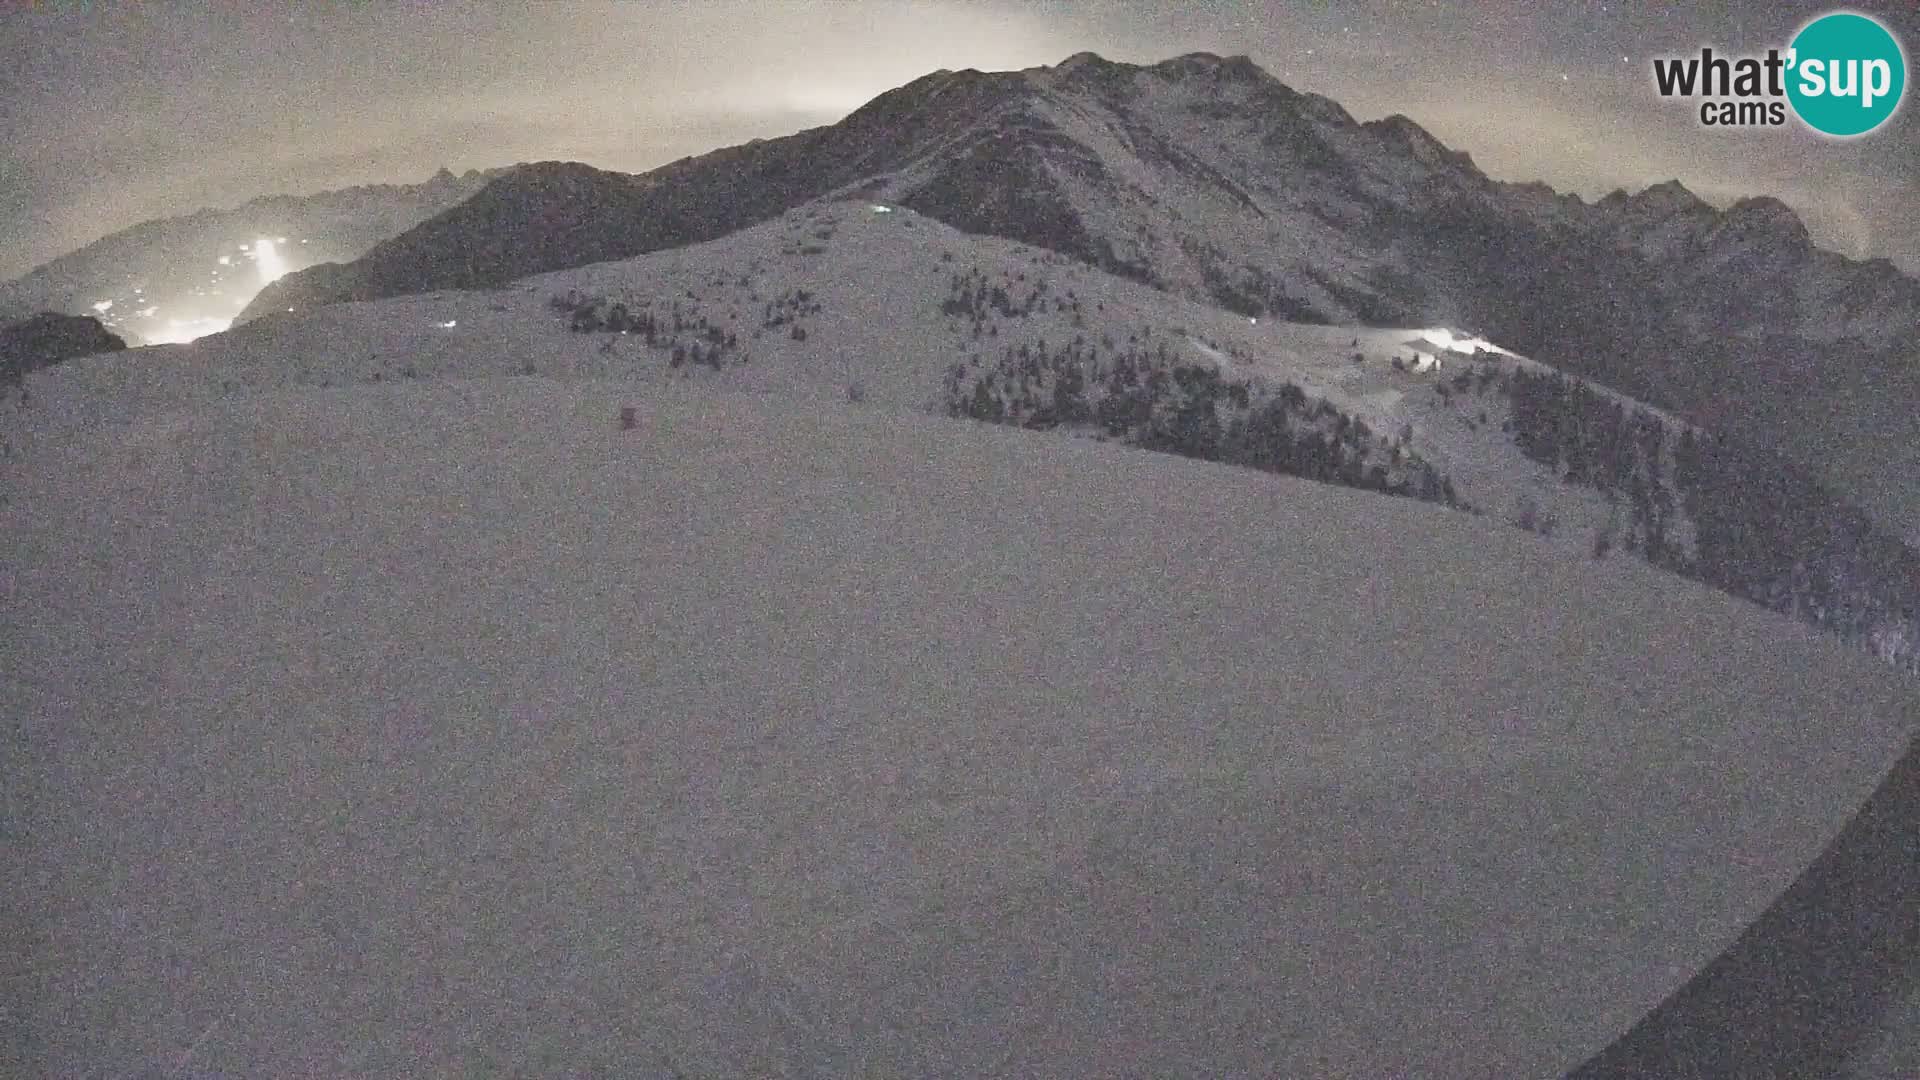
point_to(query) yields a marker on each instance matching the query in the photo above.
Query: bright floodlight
(1446, 339)
(180, 331)
(272, 266)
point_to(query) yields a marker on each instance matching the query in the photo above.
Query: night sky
(111, 114)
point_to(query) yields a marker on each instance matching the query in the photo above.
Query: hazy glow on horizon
(272, 266)
(181, 331)
(196, 314)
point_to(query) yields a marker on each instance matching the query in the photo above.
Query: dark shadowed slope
(47, 339)
(1808, 986)
(556, 215)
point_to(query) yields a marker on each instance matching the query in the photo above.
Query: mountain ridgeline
(168, 259)
(1209, 178)
(1721, 510)
(1204, 180)
(1031, 346)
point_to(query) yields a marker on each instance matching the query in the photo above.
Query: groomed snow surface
(443, 728)
(879, 282)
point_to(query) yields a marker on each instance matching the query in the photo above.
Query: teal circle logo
(1847, 74)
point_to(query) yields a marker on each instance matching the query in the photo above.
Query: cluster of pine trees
(1248, 289)
(972, 297)
(1152, 400)
(788, 309)
(1764, 528)
(1769, 531)
(1594, 441)
(687, 336)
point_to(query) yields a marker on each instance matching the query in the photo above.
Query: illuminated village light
(272, 266)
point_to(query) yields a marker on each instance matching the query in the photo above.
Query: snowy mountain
(1209, 178)
(177, 278)
(444, 727)
(841, 299)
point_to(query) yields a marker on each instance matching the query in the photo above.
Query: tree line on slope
(1152, 400)
(1594, 440)
(1764, 528)
(687, 335)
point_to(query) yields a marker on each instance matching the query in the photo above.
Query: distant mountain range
(1210, 178)
(872, 302)
(1206, 177)
(173, 265)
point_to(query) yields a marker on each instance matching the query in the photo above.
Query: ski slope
(878, 281)
(442, 728)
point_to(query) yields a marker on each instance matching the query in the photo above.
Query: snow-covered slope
(445, 727)
(854, 299)
(831, 298)
(846, 298)
(1821, 984)
(1206, 176)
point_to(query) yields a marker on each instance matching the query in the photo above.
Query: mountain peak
(1087, 68)
(1195, 65)
(1768, 215)
(1083, 59)
(1201, 174)
(1418, 141)
(1238, 67)
(1671, 196)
